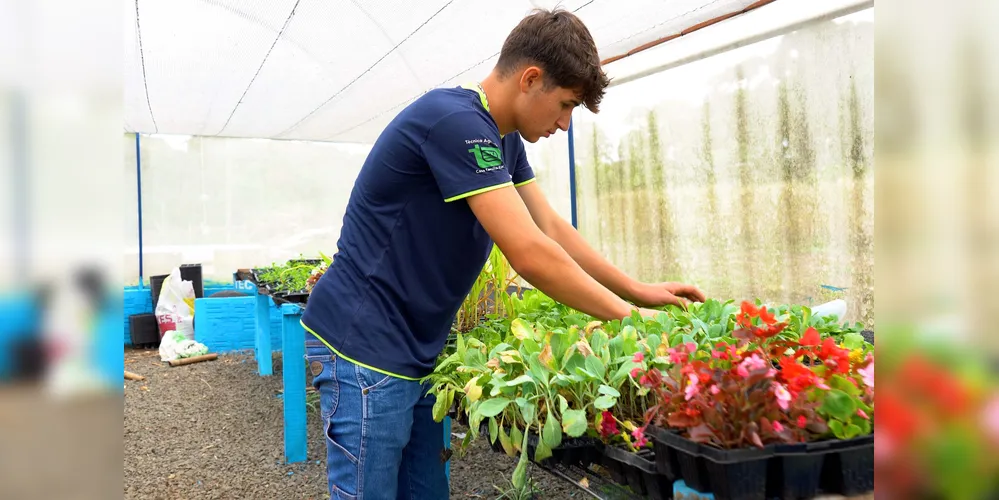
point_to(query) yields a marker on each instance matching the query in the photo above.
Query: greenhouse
(732, 154)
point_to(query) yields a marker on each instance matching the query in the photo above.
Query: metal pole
(572, 177)
(138, 190)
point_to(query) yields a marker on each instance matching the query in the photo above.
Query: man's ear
(530, 78)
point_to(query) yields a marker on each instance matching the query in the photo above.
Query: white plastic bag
(175, 309)
(174, 346)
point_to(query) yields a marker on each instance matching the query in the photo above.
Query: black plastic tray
(581, 451)
(692, 467)
(849, 466)
(638, 471)
(785, 471)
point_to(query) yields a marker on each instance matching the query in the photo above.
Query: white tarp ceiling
(339, 70)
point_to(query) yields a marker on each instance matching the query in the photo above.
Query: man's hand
(660, 294)
(648, 313)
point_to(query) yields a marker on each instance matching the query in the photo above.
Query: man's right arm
(539, 259)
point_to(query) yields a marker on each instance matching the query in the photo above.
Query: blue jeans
(381, 438)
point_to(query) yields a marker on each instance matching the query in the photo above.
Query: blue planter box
(18, 321)
(226, 324)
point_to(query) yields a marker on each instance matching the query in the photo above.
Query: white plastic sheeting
(338, 70)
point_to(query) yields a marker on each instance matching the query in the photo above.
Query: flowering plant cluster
(760, 389)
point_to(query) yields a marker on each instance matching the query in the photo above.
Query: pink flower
(778, 427)
(867, 374)
(862, 414)
(714, 389)
(990, 417)
(749, 364)
(639, 435)
(639, 357)
(691, 347)
(676, 357)
(636, 372)
(783, 397)
(692, 388)
(802, 422)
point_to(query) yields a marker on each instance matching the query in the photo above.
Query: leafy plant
(291, 277)
(488, 296)
(759, 390)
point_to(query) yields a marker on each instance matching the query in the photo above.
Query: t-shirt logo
(487, 157)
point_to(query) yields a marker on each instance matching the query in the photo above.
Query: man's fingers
(691, 292)
(681, 302)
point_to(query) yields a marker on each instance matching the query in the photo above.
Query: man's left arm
(626, 287)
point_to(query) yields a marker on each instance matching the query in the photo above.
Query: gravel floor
(214, 430)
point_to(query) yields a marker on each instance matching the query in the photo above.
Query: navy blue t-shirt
(410, 248)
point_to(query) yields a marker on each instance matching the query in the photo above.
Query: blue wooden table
(293, 376)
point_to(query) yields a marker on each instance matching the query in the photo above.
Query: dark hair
(559, 43)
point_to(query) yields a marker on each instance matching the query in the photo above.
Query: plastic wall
(749, 173)
(234, 203)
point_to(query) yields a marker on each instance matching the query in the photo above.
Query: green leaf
(542, 451)
(622, 373)
(442, 405)
(538, 370)
(563, 405)
(551, 434)
(493, 430)
(839, 405)
(837, 429)
(461, 346)
(605, 402)
(608, 390)
(506, 442)
(852, 431)
(516, 436)
(475, 419)
(493, 407)
(528, 411)
(523, 379)
(574, 361)
(520, 473)
(520, 329)
(595, 366)
(598, 340)
(528, 347)
(853, 341)
(574, 422)
(841, 383)
(654, 340)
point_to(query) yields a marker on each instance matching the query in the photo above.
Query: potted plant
(727, 411)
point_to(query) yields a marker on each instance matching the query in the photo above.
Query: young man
(447, 178)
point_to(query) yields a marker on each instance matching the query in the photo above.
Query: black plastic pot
(667, 463)
(638, 470)
(581, 451)
(795, 470)
(728, 474)
(849, 466)
(691, 466)
(737, 474)
(143, 330)
(156, 286)
(192, 273)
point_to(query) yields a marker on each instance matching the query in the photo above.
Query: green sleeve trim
(478, 191)
(327, 344)
(528, 181)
